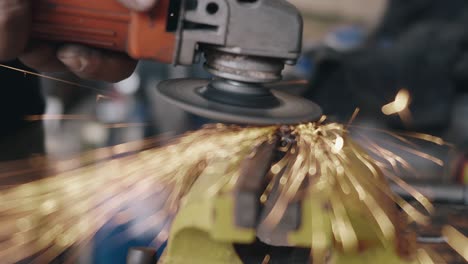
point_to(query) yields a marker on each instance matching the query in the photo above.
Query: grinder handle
(106, 24)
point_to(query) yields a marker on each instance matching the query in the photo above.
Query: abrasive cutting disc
(191, 95)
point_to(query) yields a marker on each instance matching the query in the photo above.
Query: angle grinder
(246, 44)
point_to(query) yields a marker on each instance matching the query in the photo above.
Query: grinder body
(246, 44)
(242, 40)
(108, 25)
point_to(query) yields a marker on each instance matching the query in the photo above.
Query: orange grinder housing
(109, 25)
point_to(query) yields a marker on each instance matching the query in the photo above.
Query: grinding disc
(187, 94)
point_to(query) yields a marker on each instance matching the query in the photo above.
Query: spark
(339, 184)
(401, 103)
(320, 162)
(400, 107)
(424, 257)
(266, 259)
(126, 125)
(419, 154)
(353, 117)
(85, 193)
(339, 144)
(436, 140)
(34, 118)
(100, 97)
(289, 83)
(57, 117)
(456, 240)
(52, 78)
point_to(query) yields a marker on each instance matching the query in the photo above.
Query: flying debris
(316, 165)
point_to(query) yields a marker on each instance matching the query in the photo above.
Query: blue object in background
(346, 38)
(305, 67)
(112, 244)
(161, 250)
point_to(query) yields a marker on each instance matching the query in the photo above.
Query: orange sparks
(400, 107)
(56, 117)
(126, 125)
(33, 118)
(402, 101)
(82, 194)
(456, 240)
(353, 117)
(51, 78)
(289, 83)
(100, 97)
(266, 260)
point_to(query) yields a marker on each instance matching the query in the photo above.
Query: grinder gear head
(246, 44)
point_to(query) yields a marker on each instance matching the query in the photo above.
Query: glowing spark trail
(456, 240)
(401, 102)
(350, 198)
(52, 78)
(400, 106)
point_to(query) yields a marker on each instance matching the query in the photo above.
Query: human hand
(85, 62)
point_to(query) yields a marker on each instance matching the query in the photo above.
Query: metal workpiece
(290, 221)
(438, 193)
(251, 211)
(252, 182)
(239, 103)
(256, 28)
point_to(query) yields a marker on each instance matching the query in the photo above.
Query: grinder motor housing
(243, 40)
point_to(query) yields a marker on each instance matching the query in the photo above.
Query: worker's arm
(15, 29)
